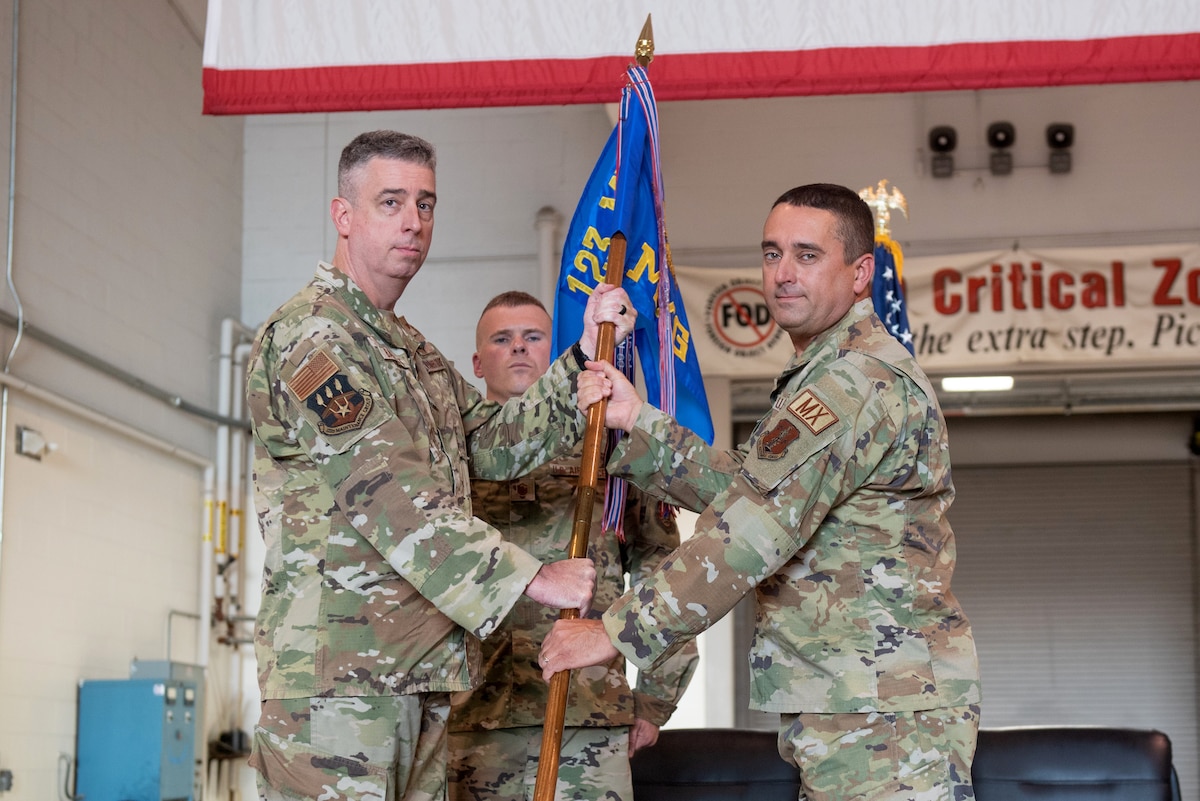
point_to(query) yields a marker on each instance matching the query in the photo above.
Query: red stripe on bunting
(833, 71)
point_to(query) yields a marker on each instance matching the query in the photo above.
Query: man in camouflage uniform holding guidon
(833, 514)
(496, 730)
(378, 579)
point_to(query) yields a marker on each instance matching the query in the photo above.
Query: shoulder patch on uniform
(774, 443)
(312, 375)
(326, 389)
(808, 409)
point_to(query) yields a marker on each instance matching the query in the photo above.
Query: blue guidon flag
(624, 193)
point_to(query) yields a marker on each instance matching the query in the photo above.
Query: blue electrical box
(136, 740)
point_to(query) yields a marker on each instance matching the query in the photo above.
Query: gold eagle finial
(882, 203)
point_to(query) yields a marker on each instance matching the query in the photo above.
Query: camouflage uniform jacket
(834, 512)
(537, 512)
(376, 572)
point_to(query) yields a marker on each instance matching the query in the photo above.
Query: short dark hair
(512, 299)
(382, 144)
(855, 222)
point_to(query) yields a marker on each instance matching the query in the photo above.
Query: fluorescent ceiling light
(977, 383)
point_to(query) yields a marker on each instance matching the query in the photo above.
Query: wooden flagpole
(585, 498)
(581, 524)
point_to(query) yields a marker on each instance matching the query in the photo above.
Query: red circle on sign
(744, 300)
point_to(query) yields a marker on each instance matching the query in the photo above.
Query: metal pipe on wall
(12, 182)
(547, 222)
(204, 601)
(238, 447)
(8, 269)
(236, 569)
(111, 370)
(233, 334)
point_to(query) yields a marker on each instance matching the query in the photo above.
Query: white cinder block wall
(127, 245)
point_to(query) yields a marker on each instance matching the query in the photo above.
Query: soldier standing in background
(834, 514)
(496, 730)
(378, 579)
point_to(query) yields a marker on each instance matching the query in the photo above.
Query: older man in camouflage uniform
(834, 513)
(378, 579)
(496, 730)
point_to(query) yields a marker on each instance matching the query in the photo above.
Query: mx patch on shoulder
(322, 385)
(812, 412)
(774, 443)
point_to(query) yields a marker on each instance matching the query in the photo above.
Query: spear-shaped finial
(644, 52)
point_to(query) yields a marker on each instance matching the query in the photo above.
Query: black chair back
(714, 765)
(1073, 763)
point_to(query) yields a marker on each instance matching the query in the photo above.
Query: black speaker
(943, 139)
(1001, 135)
(1060, 135)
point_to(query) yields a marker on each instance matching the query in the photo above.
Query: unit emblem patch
(339, 406)
(812, 412)
(774, 443)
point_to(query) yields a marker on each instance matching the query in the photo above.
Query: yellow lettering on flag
(682, 338)
(645, 263)
(592, 239)
(578, 286)
(586, 261)
(609, 203)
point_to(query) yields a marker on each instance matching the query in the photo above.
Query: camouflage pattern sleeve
(757, 523)
(651, 535)
(528, 431)
(377, 468)
(671, 463)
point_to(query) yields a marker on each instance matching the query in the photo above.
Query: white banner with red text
(1085, 308)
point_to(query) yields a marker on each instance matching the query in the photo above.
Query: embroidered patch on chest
(433, 363)
(521, 489)
(812, 412)
(774, 443)
(327, 391)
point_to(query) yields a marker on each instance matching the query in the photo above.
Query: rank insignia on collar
(812, 412)
(774, 443)
(339, 406)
